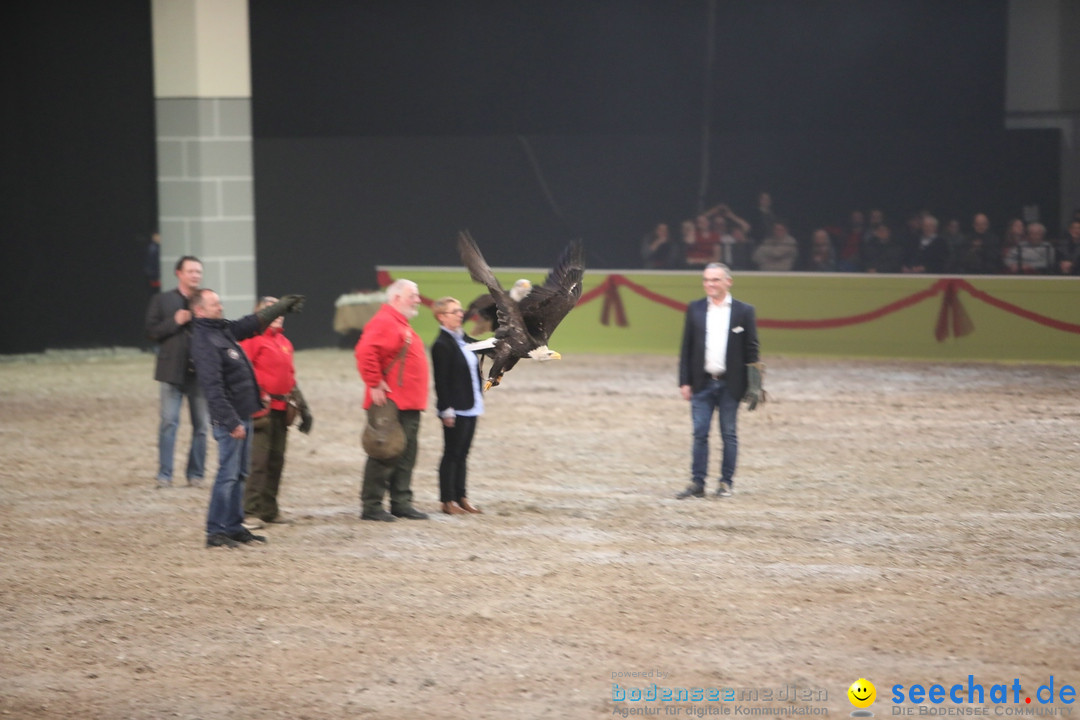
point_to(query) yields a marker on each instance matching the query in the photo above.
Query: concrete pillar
(202, 95)
(1042, 82)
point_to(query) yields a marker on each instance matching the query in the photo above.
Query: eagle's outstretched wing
(511, 325)
(545, 307)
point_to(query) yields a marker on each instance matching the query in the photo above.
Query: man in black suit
(168, 323)
(718, 367)
(459, 401)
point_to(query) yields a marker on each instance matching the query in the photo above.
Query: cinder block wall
(206, 193)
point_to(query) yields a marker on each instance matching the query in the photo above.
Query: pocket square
(737, 330)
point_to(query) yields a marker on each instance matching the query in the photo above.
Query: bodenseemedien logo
(862, 694)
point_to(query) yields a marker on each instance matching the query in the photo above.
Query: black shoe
(410, 514)
(220, 540)
(246, 536)
(725, 490)
(379, 514)
(691, 490)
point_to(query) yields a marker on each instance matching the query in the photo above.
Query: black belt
(717, 376)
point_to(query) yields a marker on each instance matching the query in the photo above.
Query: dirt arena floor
(901, 522)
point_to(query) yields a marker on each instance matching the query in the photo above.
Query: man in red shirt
(271, 356)
(393, 365)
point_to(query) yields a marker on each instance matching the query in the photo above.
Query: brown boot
(452, 508)
(469, 507)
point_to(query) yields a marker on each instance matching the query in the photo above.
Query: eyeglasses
(459, 311)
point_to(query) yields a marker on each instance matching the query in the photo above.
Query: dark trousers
(456, 443)
(267, 463)
(394, 475)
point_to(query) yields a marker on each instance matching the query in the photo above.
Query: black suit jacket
(453, 387)
(174, 341)
(742, 347)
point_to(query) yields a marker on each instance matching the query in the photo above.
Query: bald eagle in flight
(483, 313)
(525, 325)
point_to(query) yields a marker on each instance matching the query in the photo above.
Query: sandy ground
(906, 523)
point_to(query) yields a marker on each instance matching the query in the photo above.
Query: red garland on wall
(952, 318)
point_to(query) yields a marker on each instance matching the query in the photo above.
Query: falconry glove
(755, 392)
(306, 419)
(287, 304)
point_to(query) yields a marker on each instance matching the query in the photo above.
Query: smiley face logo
(862, 693)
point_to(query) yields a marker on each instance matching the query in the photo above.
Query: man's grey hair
(400, 287)
(719, 266)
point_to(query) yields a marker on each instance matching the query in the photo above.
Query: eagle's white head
(520, 289)
(544, 353)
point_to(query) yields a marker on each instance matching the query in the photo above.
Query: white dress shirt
(717, 325)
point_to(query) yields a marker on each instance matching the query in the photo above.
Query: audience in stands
(864, 243)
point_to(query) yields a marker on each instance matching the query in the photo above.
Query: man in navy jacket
(228, 382)
(719, 366)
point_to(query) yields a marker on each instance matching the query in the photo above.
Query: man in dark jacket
(232, 394)
(719, 366)
(168, 323)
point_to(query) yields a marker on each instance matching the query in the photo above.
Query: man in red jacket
(393, 365)
(271, 356)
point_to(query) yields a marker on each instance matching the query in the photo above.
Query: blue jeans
(226, 513)
(172, 397)
(714, 397)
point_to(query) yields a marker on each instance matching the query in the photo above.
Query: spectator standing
(168, 323)
(763, 217)
(459, 399)
(393, 366)
(228, 381)
(1033, 256)
(777, 252)
(271, 356)
(735, 246)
